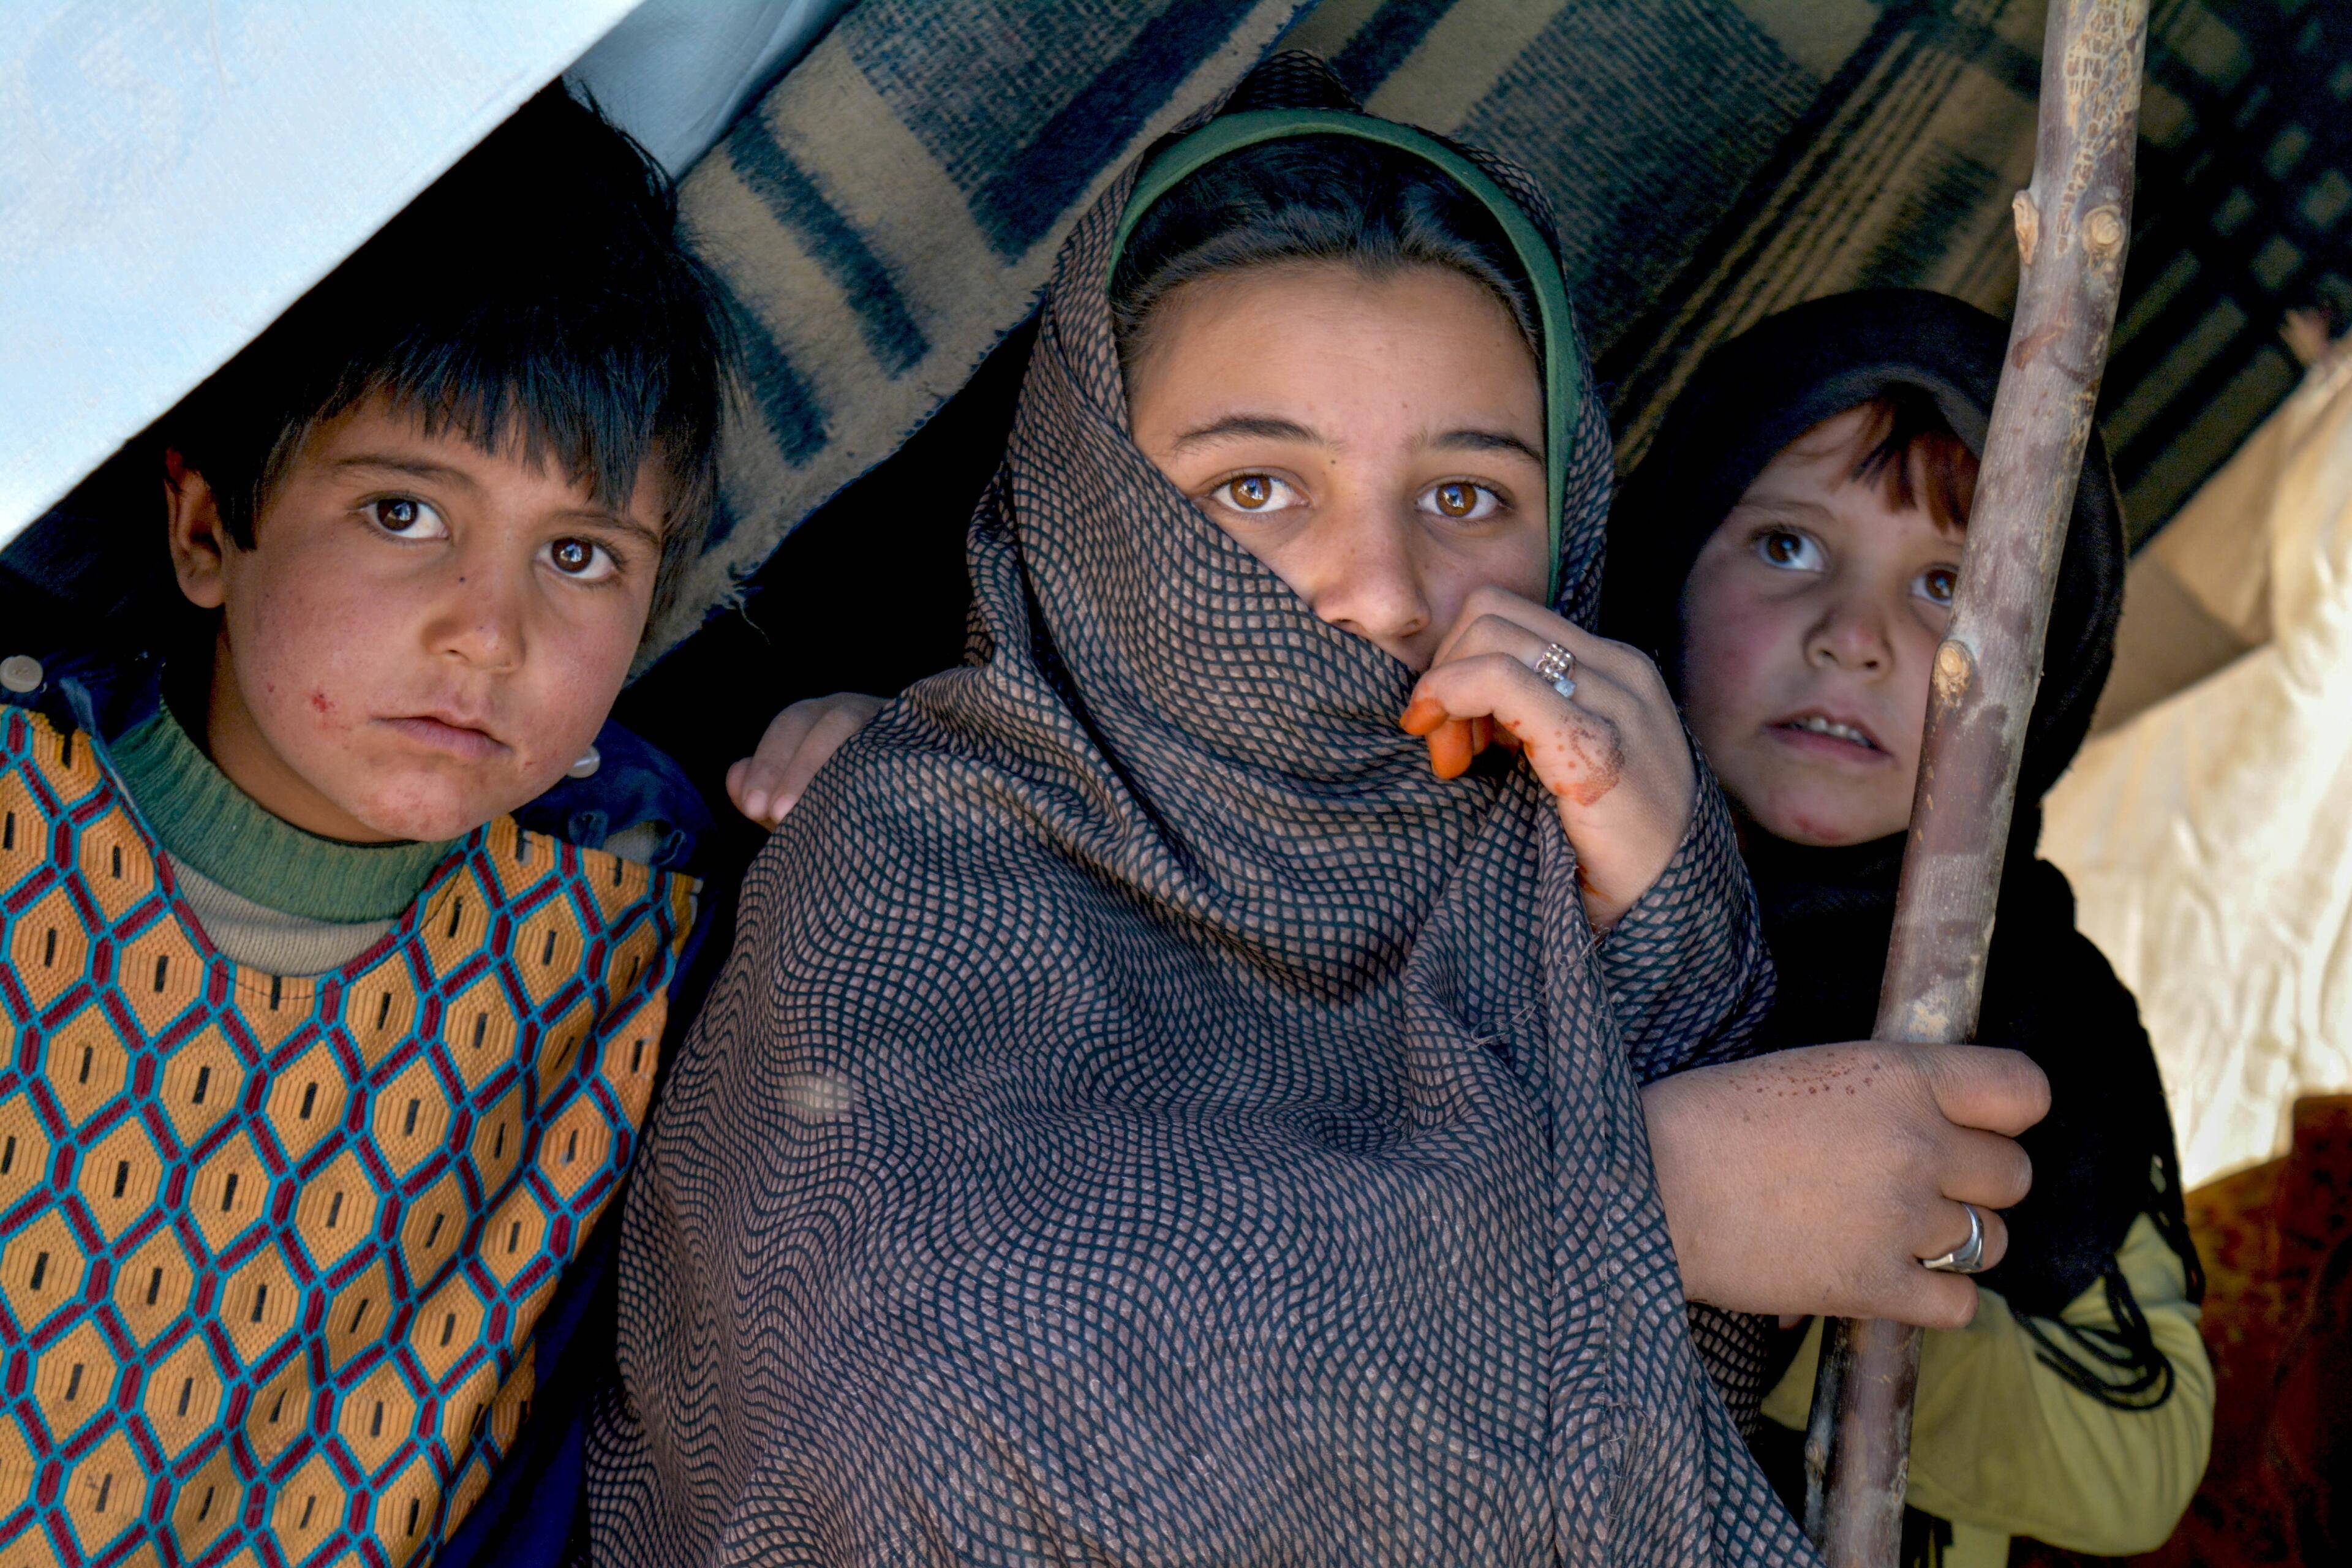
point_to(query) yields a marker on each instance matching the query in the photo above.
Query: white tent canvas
(2209, 836)
(172, 176)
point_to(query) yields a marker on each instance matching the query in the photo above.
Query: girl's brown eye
(1251, 491)
(1461, 501)
(1786, 550)
(574, 554)
(1937, 584)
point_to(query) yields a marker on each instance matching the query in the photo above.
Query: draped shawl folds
(2105, 1153)
(1147, 1117)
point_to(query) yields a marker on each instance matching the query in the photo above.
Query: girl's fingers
(763, 769)
(751, 785)
(1578, 753)
(1450, 751)
(1457, 733)
(1451, 746)
(1511, 696)
(1984, 1086)
(1525, 635)
(827, 736)
(1454, 742)
(798, 740)
(1598, 690)
(1932, 1300)
(1493, 619)
(1985, 1169)
(1951, 1232)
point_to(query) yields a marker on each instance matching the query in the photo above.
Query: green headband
(1562, 370)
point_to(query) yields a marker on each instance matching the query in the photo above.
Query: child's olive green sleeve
(2002, 1446)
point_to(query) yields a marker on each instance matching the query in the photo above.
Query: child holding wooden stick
(1788, 551)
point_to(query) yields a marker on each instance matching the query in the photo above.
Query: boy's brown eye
(1457, 501)
(1936, 582)
(580, 559)
(404, 517)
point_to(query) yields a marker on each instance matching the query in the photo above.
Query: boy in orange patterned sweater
(341, 938)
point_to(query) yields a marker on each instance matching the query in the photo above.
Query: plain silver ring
(1558, 666)
(1966, 1259)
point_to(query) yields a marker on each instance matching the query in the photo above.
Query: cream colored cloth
(2209, 833)
(2002, 1446)
(255, 936)
(275, 943)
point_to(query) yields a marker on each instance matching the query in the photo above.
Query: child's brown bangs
(1909, 449)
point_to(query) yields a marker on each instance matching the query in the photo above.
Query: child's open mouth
(1819, 733)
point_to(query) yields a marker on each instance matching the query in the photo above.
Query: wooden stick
(2072, 223)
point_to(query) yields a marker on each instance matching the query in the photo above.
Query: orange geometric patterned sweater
(272, 1249)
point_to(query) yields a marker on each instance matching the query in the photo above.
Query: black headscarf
(2105, 1155)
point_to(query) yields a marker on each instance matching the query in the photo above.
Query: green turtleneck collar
(216, 829)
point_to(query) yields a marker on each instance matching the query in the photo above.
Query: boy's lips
(1837, 736)
(446, 733)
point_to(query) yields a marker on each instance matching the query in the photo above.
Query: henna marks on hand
(1599, 756)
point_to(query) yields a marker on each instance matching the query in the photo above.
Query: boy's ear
(198, 539)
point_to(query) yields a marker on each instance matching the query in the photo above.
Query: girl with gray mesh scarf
(1186, 1086)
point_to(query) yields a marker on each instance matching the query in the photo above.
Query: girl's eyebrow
(1474, 440)
(1781, 505)
(1268, 427)
(1240, 426)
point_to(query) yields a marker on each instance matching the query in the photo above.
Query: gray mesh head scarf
(1147, 1117)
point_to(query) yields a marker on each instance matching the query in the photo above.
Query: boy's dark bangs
(536, 299)
(597, 425)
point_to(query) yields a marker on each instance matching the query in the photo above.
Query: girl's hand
(1614, 755)
(1811, 1182)
(800, 740)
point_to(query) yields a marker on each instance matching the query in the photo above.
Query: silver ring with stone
(1966, 1259)
(1557, 667)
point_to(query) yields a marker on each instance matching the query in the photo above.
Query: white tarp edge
(172, 175)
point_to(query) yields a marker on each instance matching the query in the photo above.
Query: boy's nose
(480, 618)
(1362, 577)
